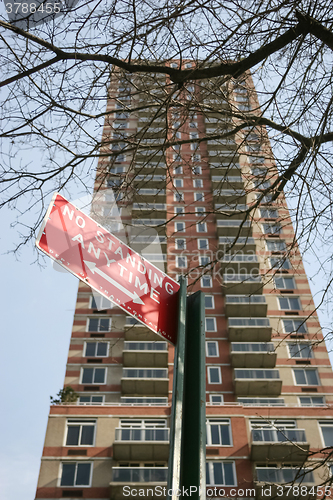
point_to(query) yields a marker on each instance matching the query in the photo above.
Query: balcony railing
(241, 278)
(142, 435)
(140, 474)
(145, 346)
(239, 258)
(248, 322)
(278, 436)
(232, 223)
(145, 373)
(254, 347)
(285, 475)
(257, 374)
(245, 299)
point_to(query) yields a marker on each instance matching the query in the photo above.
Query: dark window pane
(87, 376)
(229, 478)
(218, 476)
(207, 474)
(99, 375)
(225, 434)
(84, 399)
(214, 375)
(93, 325)
(73, 435)
(101, 349)
(83, 475)
(87, 436)
(97, 399)
(300, 377)
(93, 303)
(215, 434)
(104, 325)
(67, 477)
(90, 349)
(312, 377)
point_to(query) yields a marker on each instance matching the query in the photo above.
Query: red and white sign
(106, 264)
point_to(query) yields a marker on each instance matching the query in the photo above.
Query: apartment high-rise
(269, 378)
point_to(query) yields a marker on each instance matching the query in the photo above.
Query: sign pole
(177, 399)
(187, 456)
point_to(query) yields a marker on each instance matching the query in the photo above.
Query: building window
(206, 282)
(219, 432)
(177, 157)
(294, 326)
(197, 183)
(203, 244)
(289, 303)
(311, 400)
(210, 324)
(178, 170)
(180, 227)
(203, 260)
(220, 474)
(196, 157)
(306, 376)
(212, 349)
(93, 375)
(326, 427)
(261, 401)
(180, 244)
(214, 375)
(181, 261)
(300, 350)
(209, 302)
(280, 263)
(180, 210)
(201, 227)
(269, 213)
(178, 183)
(216, 399)
(197, 170)
(76, 474)
(199, 197)
(100, 302)
(284, 283)
(99, 324)
(200, 211)
(96, 349)
(91, 400)
(80, 432)
(178, 197)
(272, 228)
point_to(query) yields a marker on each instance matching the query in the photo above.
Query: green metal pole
(174, 469)
(193, 456)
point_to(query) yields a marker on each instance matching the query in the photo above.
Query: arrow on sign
(133, 295)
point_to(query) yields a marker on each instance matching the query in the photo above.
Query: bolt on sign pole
(187, 457)
(177, 398)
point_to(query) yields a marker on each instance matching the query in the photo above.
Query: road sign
(109, 266)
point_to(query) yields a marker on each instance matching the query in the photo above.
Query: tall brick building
(269, 378)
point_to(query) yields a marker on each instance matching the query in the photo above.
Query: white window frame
(294, 329)
(300, 344)
(200, 211)
(213, 301)
(211, 472)
(98, 330)
(91, 402)
(197, 170)
(305, 370)
(80, 422)
(96, 341)
(285, 278)
(178, 240)
(214, 367)
(225, 422)
(204, 227)
(77, 462)
(178, 183)
(178, 197)
(178, 230)
(214, 324)
(324, 423)
(204, 260)
(199, 196)
(221, 402)
(284, 263)
(206, 243)
(210, 281)
(311, 398)
(288, 299)
(198, 183)
(94, 368)
(179, 211)
(216, 348)
(99, 298)
(178, 260)
(178, 170)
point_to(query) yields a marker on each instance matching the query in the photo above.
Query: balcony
(242, 284)
(229, 181)
(230, 227)
(249, 329)
(231, 195)
(255, 382)
(145, 354)
(242, 243)
(240, 263)
(145, 381)
(141, 444)
(140, 477)
(277, 445)
(269, 477)
(245, 305)
(252, 355)
(134, 330)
